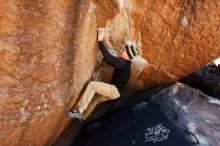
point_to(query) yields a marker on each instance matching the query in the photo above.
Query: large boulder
(193, 111)
(48, 53)
(206, 79)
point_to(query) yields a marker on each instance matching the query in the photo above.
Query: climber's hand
(101, 35)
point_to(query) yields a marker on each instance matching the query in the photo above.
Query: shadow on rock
(206, 79)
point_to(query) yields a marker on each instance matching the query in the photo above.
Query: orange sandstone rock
(48, 52)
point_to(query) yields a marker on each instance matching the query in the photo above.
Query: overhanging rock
(48, 53)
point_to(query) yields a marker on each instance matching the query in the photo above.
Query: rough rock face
(46, 58)
(48, 53)
(193, 111)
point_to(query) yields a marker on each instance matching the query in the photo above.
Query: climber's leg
(101, 88)
(93, 87)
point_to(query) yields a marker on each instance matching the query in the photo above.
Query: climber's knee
(92, 84)
(115, 93)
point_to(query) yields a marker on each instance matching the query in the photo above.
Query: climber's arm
(110, 59)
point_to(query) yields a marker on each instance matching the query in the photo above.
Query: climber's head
(129, 52)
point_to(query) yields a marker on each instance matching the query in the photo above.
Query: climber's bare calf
(120, 77)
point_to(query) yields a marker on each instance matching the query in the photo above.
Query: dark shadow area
(128, 124)
(207, 79)
(70, 134)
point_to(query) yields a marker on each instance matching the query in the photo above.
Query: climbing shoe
(74, 113)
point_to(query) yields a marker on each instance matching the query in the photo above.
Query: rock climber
(120, 77)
